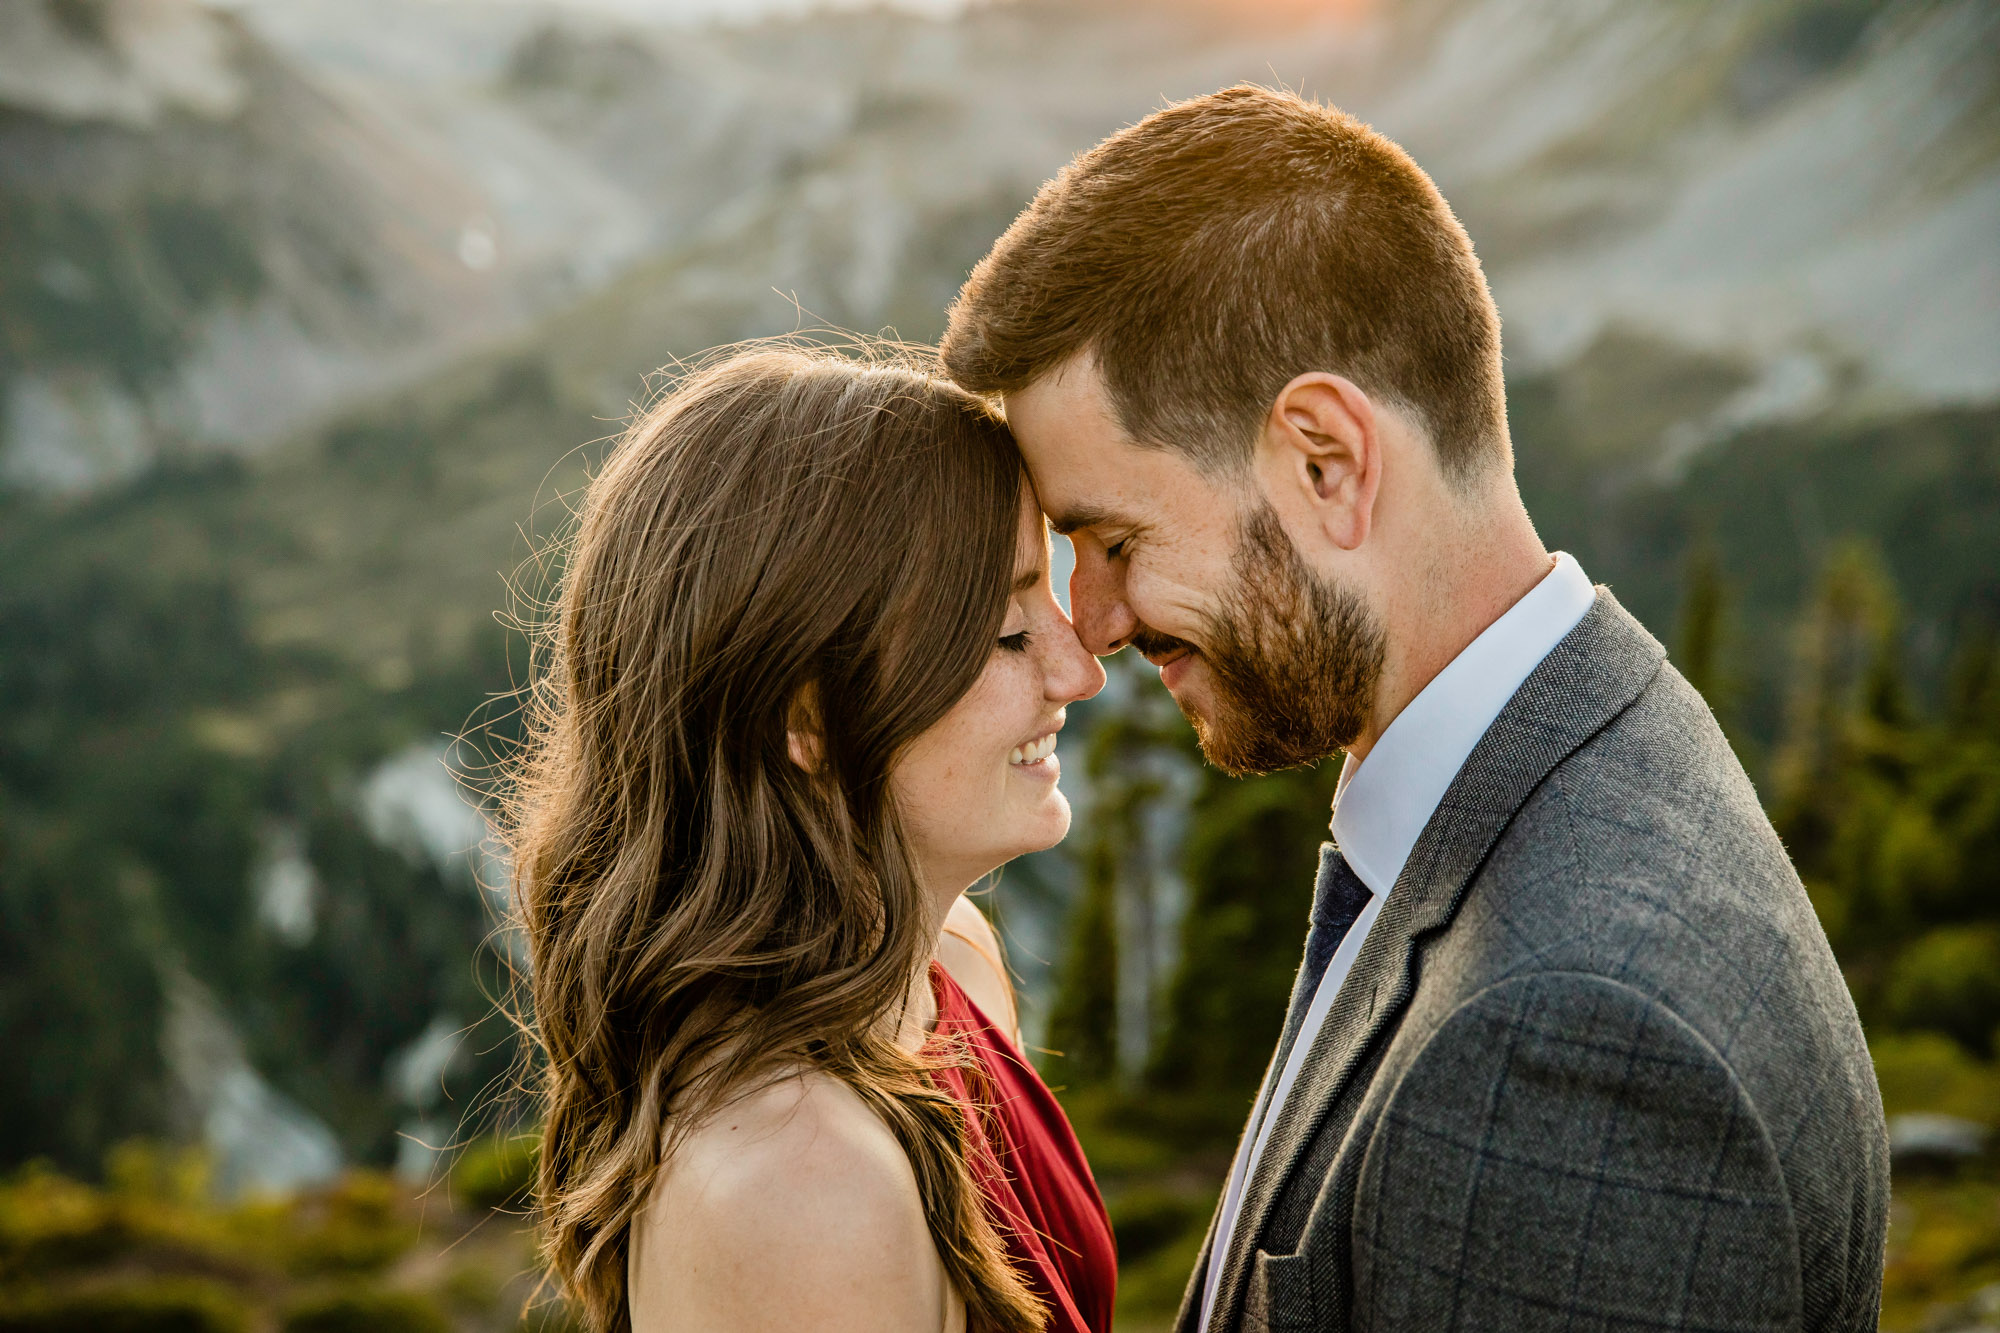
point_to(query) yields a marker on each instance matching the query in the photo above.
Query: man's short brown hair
(1221, 246)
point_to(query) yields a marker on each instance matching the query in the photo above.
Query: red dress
(1025, 1158)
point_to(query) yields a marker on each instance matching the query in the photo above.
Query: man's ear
(803, 733)
(1322, 451)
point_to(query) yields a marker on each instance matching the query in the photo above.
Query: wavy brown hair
(787, 528)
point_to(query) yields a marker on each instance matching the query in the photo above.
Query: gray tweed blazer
(1595, 1067)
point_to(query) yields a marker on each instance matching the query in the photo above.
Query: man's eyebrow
(1079, 518)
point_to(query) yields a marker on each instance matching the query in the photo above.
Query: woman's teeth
(1035, 751)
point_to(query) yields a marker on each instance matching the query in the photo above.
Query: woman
(804, 687)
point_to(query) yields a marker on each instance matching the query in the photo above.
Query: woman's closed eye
(1015, 643)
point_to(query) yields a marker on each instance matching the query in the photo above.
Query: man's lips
(1160, 649)
(1172, 656)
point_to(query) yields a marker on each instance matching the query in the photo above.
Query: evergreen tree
(1083, 1021)
(1101, 1020)
(1838, 739)
(1250, 862)
(1704, 603)
(1894, 823)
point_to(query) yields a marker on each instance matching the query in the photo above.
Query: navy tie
(1338, 897)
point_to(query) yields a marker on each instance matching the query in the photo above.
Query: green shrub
(356, 1226)
(1926, 1071)
(1146, 1220)
(1949, 981)
(153, 1213)
(497, 1172)
(168, 1305)
(49, 1222)
(366, 1310)
(1149, 1291)
(1159, 1231)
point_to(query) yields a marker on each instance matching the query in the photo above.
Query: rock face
(1810, 186)
(205, 247)
(224, 226)
(1821, 183)
(128, 63)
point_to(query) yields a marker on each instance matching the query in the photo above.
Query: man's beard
(1294, 659)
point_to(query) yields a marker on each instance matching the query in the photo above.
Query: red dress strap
(1030, 1169)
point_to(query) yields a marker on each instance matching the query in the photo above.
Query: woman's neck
(919, 1011)
(920, 1006)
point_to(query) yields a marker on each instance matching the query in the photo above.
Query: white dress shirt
(1382, 804)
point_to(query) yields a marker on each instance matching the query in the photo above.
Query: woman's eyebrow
(1027, 579)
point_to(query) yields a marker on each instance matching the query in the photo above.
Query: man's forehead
(1071, 395)
(1072, 444)
(1089, 474)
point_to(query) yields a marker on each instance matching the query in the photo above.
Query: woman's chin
(1051, 823)
(1028, 831)
(1041, 829)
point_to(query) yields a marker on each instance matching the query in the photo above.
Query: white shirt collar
(1384, 802)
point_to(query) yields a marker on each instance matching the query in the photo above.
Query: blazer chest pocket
(1278, 1296)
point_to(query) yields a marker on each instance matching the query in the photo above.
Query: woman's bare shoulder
(792, 1206)
(970, 950)
(798, 1127)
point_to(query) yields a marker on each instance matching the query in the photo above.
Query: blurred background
(314, 312)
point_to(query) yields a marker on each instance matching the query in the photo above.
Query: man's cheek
(1164, 603)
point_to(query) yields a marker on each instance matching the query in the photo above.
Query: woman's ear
(1321, 444)
(803, 734)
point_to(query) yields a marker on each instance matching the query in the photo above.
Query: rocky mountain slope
(1807, 181)
(222, 226)
(203, 245)
(1706, 226)
(315, 311)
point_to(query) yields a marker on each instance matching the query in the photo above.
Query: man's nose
(1104, 623)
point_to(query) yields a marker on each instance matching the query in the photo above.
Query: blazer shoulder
(1566, 1147)
(1653, 827)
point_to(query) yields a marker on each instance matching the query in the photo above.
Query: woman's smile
(1037, 757)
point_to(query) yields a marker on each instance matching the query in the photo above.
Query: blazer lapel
(1589, 678)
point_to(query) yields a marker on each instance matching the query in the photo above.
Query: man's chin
(1239, 742)
(1223, 749)
(1216, 728)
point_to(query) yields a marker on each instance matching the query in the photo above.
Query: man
(1568, 1048)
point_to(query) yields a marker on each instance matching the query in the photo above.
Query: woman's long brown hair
(787, 529)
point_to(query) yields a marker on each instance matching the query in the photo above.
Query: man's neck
(1439, 623)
